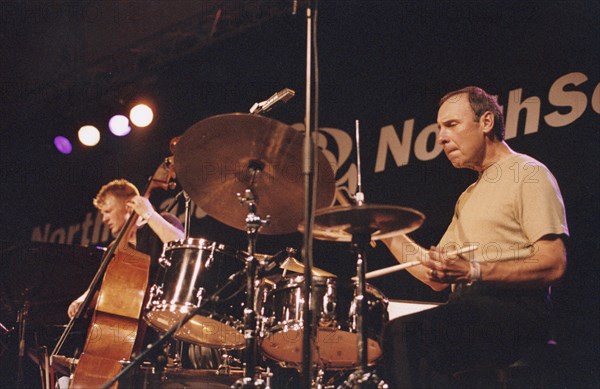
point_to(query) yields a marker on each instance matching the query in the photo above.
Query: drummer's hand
(446, 267)
(141, 206)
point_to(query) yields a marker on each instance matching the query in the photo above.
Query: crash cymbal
(224, 155)
(340, 223)
(293, 265)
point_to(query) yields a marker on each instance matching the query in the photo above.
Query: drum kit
(211, 295)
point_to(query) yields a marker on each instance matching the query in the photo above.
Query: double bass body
(115, 330)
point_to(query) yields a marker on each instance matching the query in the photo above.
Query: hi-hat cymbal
(340, 223)
(293, 265)
(224, 155)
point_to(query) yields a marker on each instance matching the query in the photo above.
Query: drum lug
(155, 292)
(264, 324)
(164, 262)
(199, 295)
(329, 305)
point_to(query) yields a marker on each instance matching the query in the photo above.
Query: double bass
(116, 328)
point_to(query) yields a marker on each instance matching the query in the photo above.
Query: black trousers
(479, 326)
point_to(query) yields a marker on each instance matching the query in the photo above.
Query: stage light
(63, 145)
(89, 135)
(141, 115)
(119, 125)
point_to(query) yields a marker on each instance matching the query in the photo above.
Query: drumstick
(402, 266)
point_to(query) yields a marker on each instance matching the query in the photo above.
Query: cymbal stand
(361, 238)
(362, 377)
(253, 225)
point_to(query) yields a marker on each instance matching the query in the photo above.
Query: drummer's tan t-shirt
(513, 203)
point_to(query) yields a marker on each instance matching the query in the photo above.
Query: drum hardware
(225, 364)
(185, 378)
(253, 224)
(360, 224)
(173, 360)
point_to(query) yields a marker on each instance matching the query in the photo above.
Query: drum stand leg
(225, 365)
(362, 377)
(253, 224)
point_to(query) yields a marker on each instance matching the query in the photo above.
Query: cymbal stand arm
(359, 196)
(188, 214)
(359, 243)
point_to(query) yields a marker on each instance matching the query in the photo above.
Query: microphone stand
(309, 168)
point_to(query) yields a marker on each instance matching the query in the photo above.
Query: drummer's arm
(406, 250)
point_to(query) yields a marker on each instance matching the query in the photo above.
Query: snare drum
(192, 270)
(336, 342)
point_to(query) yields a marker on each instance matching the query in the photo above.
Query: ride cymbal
(224, 155)
(340, 223)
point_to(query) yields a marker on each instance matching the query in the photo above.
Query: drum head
(336, 349)
(203, 330)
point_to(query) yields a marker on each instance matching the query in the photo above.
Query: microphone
(283, 95)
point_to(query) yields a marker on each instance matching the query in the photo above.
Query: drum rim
(201, 244)
(298, 280)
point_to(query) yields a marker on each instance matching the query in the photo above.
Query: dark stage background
(385, 63)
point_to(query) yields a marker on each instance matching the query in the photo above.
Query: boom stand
(253, 224)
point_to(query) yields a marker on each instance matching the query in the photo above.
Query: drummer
(515, 213)
(116, 201)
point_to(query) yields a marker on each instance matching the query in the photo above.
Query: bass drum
(282, 308)
(192, 270)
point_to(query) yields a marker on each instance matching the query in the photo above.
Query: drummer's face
(114, 213)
